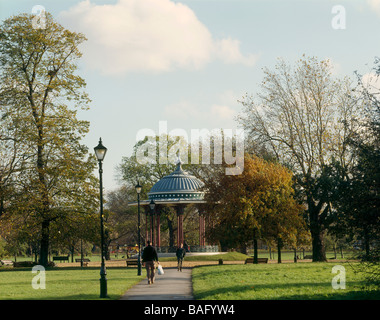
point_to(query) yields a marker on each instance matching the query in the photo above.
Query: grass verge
(65, 283)
(294, 281)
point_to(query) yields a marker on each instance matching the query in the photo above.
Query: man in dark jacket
(149, 256)
(180, 253)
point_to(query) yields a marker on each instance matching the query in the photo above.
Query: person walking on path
(186, 246)
(180, 253)
(149, 256)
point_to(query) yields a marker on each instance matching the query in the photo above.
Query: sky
(188, 63)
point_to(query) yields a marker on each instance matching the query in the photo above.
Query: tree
(39, 93)
(358, 190)
(304, 116)
(121, 222)
(130, 171)
(367, 171)
(258, 204)
(358, 196)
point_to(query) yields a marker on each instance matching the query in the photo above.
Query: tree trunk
(255, 247)
(243, 249)
(319, 254)
(316, 230)
(334, 248)
(107, 242)
(1, 200)
(366, 242)
(44, 252)
(224, 245)
(107, 253)
(279, 246)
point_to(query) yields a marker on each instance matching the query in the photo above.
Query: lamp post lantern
(152, 205)
(138, 190)
(100, 152)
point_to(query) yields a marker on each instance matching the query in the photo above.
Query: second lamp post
(138, 190)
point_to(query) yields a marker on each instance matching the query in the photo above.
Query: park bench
(308, 257)
(24, 264)
(6, 262)
(132, 262)
(259, 260)
(85, 261)
(61, 258)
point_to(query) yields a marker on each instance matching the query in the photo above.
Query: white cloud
(229, 52)
(148, 35)
(183, 110)
(220, 114)
(223, 112)
(188, 110)
(375, 5)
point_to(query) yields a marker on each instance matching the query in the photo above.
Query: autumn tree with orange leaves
(257, 204)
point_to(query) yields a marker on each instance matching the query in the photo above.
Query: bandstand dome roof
(177, 185)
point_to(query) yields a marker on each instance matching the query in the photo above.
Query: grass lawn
(295, 281)
(65, 283)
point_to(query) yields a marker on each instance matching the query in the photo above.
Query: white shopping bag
(160, 270)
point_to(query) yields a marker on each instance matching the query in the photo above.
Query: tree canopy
(304, 116)
(258, 204)
(48, 172)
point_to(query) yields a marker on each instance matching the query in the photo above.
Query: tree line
(310, 164)
(318, 130)
(326, 130)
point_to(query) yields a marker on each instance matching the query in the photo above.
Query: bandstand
(178, 190)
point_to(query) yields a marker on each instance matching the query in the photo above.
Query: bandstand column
(202, 228)
(158, 228)
(180, 210)
(146, 223)
(152, 229)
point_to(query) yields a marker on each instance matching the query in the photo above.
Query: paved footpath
(173, 285)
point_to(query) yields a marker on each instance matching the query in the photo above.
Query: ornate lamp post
(100, 152)
(138, 190)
